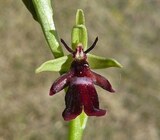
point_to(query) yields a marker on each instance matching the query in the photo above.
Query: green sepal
(80, 19)
(98, 62)
(79, 31)
(61, 64)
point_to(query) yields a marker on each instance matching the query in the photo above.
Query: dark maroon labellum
(80, 80)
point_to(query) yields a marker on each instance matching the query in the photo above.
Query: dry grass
(128, 31)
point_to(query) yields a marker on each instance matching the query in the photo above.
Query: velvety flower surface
(81, 93)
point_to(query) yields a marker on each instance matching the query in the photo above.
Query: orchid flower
(81, 93)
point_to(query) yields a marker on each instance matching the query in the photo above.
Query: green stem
(77, 127)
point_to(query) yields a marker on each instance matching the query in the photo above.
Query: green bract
(30, 7)
(42, 12)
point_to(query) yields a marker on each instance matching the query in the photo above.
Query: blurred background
(128, 31)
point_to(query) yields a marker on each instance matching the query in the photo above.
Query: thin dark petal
(93, 45)
(73, 103)
(102, 82)
(61, 83)
(90, 101)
